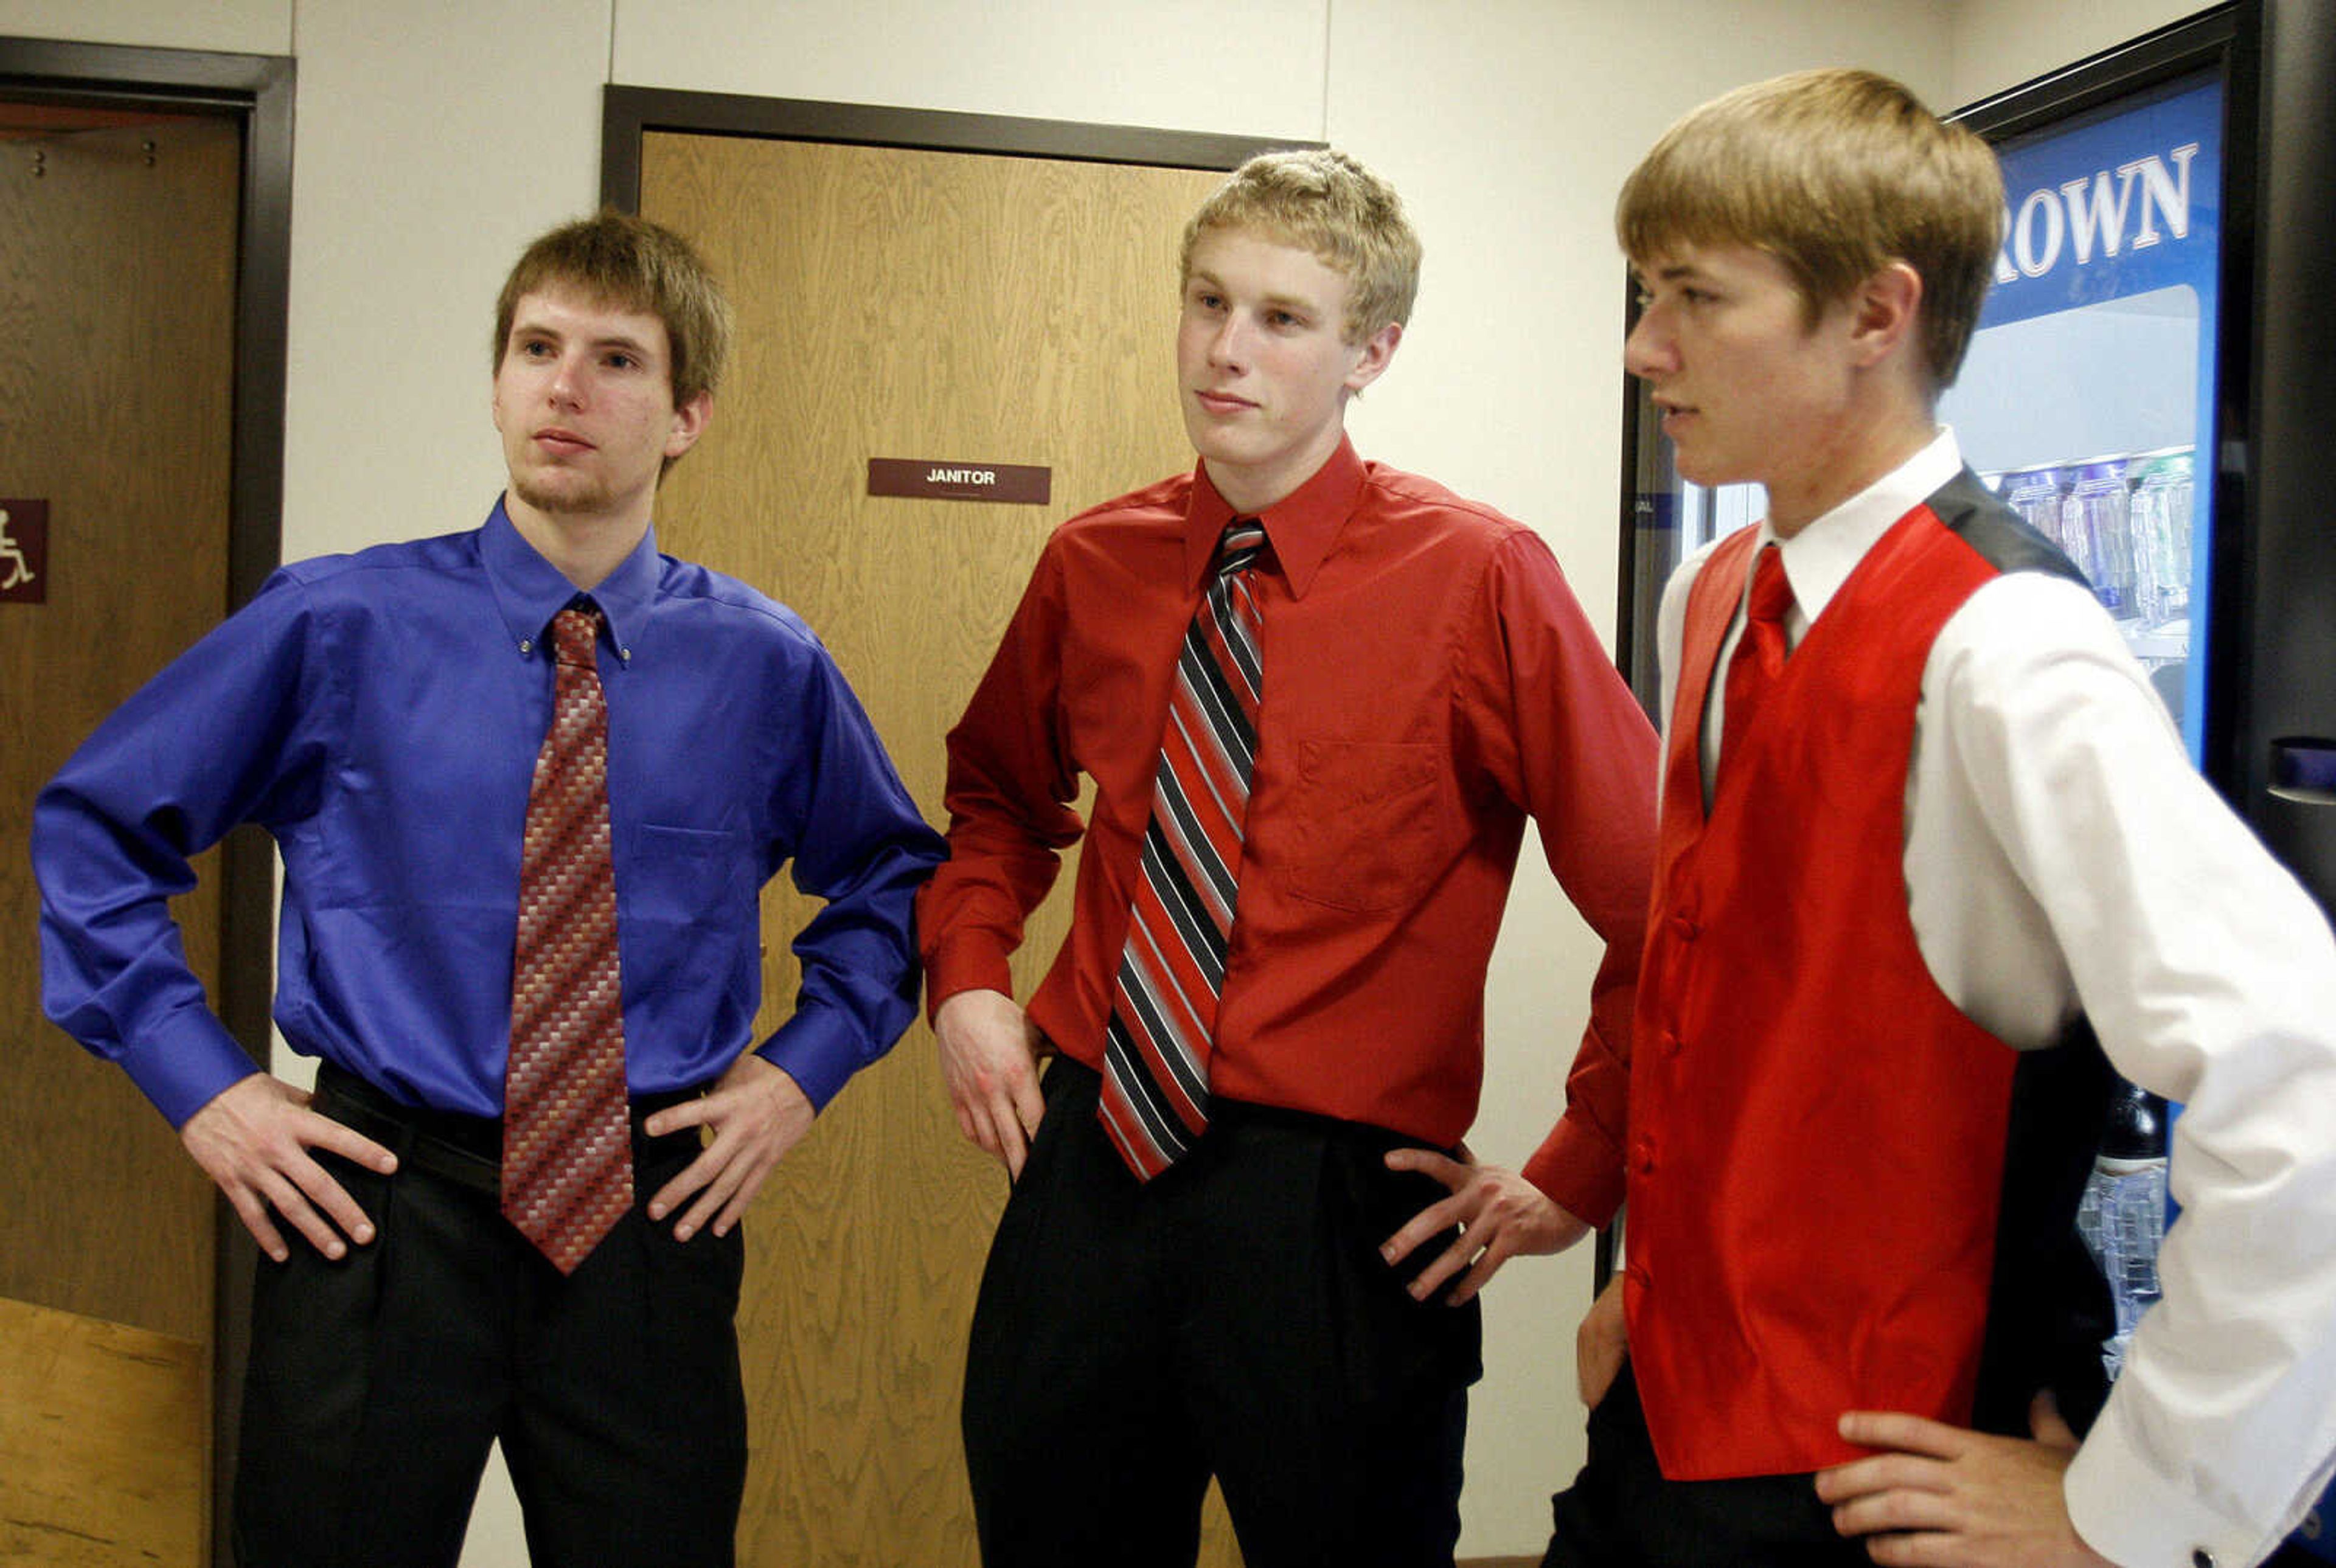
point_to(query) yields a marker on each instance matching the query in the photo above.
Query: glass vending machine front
(2087, 397)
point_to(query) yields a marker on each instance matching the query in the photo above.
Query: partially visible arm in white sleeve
(2210, 977)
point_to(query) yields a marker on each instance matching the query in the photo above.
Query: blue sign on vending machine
(2089, 389)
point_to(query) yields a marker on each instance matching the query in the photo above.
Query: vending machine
(2152, 387)
(2089, 389)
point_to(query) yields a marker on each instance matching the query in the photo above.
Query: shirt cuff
(1579, 1170)
(965, 963)
(183, 1063)
(820, 1049)
(2131, 1515)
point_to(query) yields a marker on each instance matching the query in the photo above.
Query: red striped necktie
(1759, 656)
(1164, 1016)
(568, 1156)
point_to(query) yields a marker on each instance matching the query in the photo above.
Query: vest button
(1642, 1155)
(1671, 1043)
(1685, 928)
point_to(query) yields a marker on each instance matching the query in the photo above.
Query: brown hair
(1836, 173)
(1325, 203)
(632, 264)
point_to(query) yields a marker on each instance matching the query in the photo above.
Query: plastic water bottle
(2122, 1216)
(2159, 514)
(2037, 495)
(2097, 511)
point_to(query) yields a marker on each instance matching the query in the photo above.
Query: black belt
(464, 1149)
(1232, 1113)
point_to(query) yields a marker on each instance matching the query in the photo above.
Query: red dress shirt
(1429, 682)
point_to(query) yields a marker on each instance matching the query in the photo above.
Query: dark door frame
(629, 113)
(255, 90)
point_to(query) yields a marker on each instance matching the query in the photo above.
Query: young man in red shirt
(1313, 758)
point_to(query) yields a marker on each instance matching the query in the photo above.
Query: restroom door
(958, 308)
(118, 256)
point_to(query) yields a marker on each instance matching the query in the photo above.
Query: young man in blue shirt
(381, 714)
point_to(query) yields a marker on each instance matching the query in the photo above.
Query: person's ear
(1884, 311)
(688, 424)
(1372, 361)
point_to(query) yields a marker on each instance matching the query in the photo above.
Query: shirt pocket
(1368, 821)
(683, 876)
(688, 923)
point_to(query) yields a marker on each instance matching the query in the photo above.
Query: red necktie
(1164, 1016)
(568, 1158)
(1759, 653)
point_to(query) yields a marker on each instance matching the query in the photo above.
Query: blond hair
(631, 264)
(1327, 203)
(1836, 173)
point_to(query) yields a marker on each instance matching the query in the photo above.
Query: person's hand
(1942, 1494)
(1601, 1344)
(757, 1112)
(989, 1063)
(253, 1139)
(1500, 1215)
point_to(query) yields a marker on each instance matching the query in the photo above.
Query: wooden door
(938, 305)
(117, 313)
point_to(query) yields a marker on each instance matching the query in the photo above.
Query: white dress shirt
(2063, 854)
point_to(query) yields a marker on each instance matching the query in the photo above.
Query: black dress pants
(1622, 1513)
(377, 1382)
(1233, 1318)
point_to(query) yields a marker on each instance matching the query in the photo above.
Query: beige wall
(1245, 66)
(2000, 43)
(231, 26)
(434, 136)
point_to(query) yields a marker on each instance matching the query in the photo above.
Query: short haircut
(617, 259)
(1325, 203)
(1836, 173)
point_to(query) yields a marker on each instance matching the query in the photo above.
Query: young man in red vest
(1926, 834)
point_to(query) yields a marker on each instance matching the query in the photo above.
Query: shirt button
(2202, 1558)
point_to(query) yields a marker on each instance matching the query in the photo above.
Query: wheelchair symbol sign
(23, 551)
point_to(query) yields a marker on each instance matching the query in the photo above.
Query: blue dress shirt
(380, 715)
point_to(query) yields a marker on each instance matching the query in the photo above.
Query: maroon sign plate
(924, 479)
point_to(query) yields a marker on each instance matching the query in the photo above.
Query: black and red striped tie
(1155, 1091)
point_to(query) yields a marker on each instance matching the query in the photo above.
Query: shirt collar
(1303, 526)
(1819, 559)
(530, 590)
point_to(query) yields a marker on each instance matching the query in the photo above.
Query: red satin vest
(1817, 1135)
